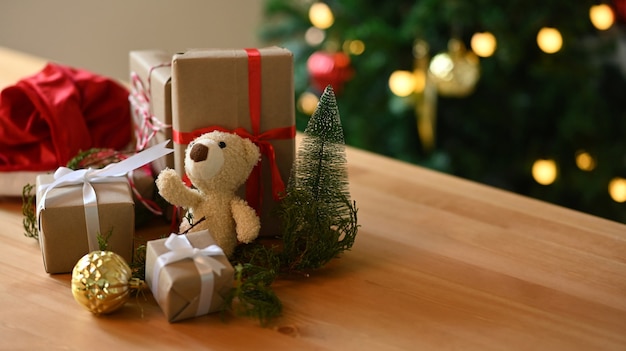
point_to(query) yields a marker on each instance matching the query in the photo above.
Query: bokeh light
(354, 47)
(601, 16)
(307, 102)
(314, 36)
(442, 66)
(483, 44)
(321, 16)
(585, 161)
(402, 83)
(617, 189)
(544, 171)
(549, 40)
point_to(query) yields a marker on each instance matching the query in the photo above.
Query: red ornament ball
(327, 68)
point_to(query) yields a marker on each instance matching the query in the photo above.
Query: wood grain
(439, 263)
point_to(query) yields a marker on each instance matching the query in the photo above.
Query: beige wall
(97, 35)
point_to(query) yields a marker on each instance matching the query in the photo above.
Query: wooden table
(440, 263)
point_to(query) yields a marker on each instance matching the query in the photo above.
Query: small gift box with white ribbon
(78, 209)
(188, 274)
(63, 226)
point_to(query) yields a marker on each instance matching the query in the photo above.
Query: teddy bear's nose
(199, 152)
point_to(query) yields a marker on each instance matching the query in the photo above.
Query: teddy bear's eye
(222, 144)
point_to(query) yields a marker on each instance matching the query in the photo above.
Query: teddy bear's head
(220, 161)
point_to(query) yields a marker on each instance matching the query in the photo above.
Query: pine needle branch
(138, 265)
(28, 211)
(103, 240)
(252, 295)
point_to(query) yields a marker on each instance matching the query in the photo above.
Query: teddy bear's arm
(174, 191)
(247, 223)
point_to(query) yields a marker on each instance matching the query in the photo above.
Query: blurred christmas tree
(513, 118)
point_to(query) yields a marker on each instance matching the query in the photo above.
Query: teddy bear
(217, 164)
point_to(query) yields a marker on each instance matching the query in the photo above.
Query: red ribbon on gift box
(254, 193)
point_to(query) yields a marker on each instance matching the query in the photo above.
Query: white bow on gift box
(114, 172)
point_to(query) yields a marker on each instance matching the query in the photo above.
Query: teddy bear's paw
(174, 191)
(247, 232)
(167, 177)
(247, 222)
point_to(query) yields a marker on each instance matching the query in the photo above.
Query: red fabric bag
(48, 118)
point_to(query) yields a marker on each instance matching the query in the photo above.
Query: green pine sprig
(29, 220)
(252, 295)
(311, 239)
(103, 240)
(95, 158)
(256, 268)
(138, 265)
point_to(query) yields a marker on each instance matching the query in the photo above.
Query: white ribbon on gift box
(207, 266)
(114, 172)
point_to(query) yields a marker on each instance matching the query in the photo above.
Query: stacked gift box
(151, 101)
(246, 91)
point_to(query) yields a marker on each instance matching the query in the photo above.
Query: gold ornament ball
(455, 72)
(100, 282)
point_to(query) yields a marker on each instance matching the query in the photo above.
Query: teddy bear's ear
(252, 151)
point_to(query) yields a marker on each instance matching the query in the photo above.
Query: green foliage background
(527, 104)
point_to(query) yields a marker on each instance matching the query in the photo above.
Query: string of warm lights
(455, 73)
(549, 40)
(404, 83)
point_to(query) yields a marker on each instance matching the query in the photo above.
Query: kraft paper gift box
(184, 286)
(63, 234)
(150, 100)
(246, 89)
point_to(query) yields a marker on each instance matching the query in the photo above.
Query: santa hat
(48, 118)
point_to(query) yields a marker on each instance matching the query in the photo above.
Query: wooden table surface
(440, 263)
